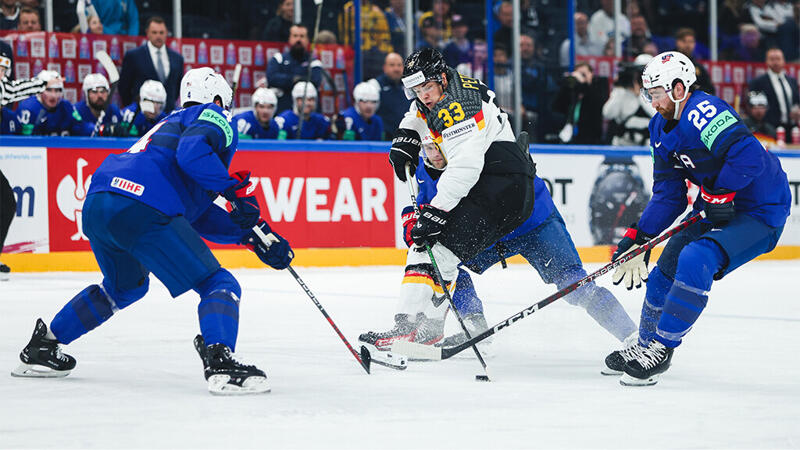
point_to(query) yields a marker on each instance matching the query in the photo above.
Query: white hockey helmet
(49, 75)
(203, 85)
(153, 91)
(94, 81)
(303, 88)
(664, 70)
(264, 95)
(366, 92)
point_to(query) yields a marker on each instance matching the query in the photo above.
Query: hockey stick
(411, 349)
(364, 358)
(237, 73)
(439, 279)
(113, 78)
(308, 75)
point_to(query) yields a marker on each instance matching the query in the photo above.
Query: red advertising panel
(69, 172)
(314, 199)
(324, 199)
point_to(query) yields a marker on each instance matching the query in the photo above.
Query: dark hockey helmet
(617, 200)
(423, 65)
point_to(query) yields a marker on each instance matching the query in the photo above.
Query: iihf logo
(666, 58)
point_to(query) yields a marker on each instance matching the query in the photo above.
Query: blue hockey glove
(634, 271)
(429, 226)
(409, 219)
(274, 251)
(719, 204)
(246, 212)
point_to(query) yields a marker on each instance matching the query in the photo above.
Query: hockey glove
(719, 204)
(409, 218)
(429, 226)
(275, 252)
(405, 149)
(246, 212)
(634, 271)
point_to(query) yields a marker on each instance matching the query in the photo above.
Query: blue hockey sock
(687, 298)
(91, 307)
(218, 310)
(465, 298)
(658, 285)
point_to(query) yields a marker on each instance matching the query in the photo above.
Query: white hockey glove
(633, 272)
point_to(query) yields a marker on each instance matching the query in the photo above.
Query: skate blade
(391, 359)
(218, 385)
(607, 371)
(627, 380)
(37, 371)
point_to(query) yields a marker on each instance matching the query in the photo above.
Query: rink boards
(338, 203)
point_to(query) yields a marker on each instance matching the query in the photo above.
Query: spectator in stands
(584, 46)
(10, 14)
(537, 89)
(393, 102)
(95, 100)
(49, 114)
(601, 24)
(395, 14)
(505, 18)
(477, 67)
(302, 122)
(685, 43)
(277, 29)
(139, 117)
(781, 91)
(326, 37)
(285, 69)
(732, 14)
(119, 17)
(626, 111)
(748, 47)
(258, 123)
(459, 49)
(581, 98)
(359, 122)
(152, 61)
(29, 20)
(756, 114)
(640, 37)
(441, 17)
(376, 40)
(777, 24)
(430, 34)
(503, 80)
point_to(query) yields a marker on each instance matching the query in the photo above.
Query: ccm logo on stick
(127, 186)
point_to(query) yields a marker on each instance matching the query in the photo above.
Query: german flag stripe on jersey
(479, 120)
(415, 277)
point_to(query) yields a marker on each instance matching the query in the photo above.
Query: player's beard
(298, 51)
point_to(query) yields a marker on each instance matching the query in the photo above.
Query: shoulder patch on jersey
(717, 125)
(219, 120)
(76, 115)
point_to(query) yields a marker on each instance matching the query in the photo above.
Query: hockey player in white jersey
(485, 191)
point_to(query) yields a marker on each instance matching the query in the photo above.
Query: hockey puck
(481, 378)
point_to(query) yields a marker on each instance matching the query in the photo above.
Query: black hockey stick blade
(366, 358)
(391, 360)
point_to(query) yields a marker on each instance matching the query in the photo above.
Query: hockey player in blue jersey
(146, 211)
(95, 100)
(359, 122)
(259, 123)
(543, 240)
(744, 193)
(49, 114)
(315, 125)
(140, 116)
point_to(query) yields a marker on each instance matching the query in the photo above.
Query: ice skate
(5, 271)
(648, 365)
(42, 357)
(226, 375)
(423, 331)
(615, 361)
(476, 324)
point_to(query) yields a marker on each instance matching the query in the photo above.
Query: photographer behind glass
(581, 98)
(627, 112)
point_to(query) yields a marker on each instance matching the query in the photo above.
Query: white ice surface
(734, 383)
